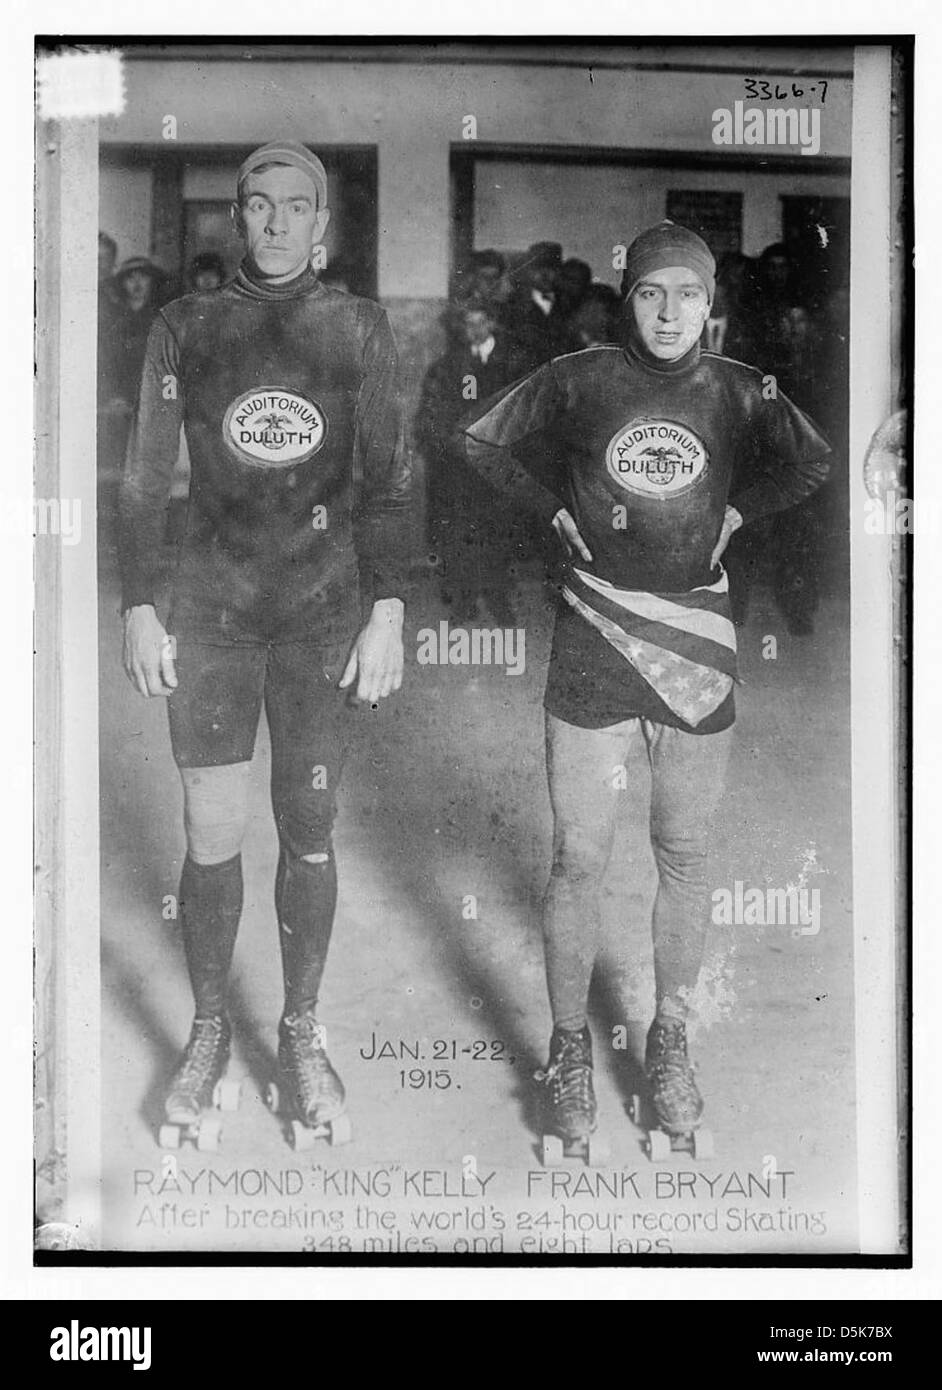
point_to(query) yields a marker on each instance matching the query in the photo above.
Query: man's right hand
(568, 532)
(148, 652)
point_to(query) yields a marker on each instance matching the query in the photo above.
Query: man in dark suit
(534, 314)
(475, 539)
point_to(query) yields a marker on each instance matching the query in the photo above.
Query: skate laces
(304, 1038)
(569, 1074)
(669, 1068)
(201, 1055)
(305, 1035)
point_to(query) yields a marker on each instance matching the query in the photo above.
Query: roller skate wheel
(597, 1151)
(301, 1136)
(209, 1137)
(634, 1110)
(341, 1131)
(272, 1098)
(227, 1095)
(168, 1136)
(551, 1150)
(659, 1145)
(703, 1146)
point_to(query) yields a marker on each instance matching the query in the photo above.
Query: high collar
(251, 283)
(636, 353)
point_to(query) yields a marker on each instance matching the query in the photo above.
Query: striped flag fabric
(683, 645)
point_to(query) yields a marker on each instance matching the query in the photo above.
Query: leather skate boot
(316, 1089)
(204, 1060)
(570, 1097)
(677, 1101)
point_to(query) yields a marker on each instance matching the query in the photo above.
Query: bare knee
(215, 811)
(579, 858)
(680, 857)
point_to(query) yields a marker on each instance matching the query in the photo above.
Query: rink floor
(444, 797)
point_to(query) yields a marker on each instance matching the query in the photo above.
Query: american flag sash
(683, 645)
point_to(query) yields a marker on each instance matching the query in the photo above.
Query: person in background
(597, 320)
(488, 278)
(138, 281)
(772, 296)
(728, 329)
(572, 286)
(475, 540)
(207, 271)
(533, 314)
(798, 550)
(124, 323)
(780, 337)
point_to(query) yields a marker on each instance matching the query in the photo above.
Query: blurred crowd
(502, 321)
(776, 313)
(505, 317)
(129, 296)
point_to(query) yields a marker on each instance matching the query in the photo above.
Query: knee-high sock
(305, 899)
(210, 908)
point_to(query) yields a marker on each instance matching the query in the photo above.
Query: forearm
(382, 530)
(143, 516)
(774, 492)
(510, 480)
(519, 416)
(384, 557)
(151, 457)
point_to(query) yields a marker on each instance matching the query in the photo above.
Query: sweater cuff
(137, 596)
(382, 581)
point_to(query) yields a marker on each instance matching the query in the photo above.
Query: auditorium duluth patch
(656, 458)
(273, 428)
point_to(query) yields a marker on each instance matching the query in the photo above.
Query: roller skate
(312, 1102)
(671, 1118)
(197, 1086)
(569, 1100)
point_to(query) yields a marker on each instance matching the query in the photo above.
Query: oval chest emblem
(274, 428)
(656, 458)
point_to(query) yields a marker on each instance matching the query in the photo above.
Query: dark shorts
(214, 715)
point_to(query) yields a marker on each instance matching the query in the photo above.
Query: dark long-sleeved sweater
(664, 443)
(652, 453)
(300, 482)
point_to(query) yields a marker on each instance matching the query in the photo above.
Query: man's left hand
(377, 658)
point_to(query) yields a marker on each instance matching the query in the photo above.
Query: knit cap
(667, 244)
(288, 152)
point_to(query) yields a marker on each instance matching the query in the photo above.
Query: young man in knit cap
(287, 592)
(653, 432)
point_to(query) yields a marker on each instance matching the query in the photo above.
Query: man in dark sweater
(287, 591)
(652, 432)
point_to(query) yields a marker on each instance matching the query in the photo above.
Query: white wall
(414, 111)
(124, 207)
(590, 209)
